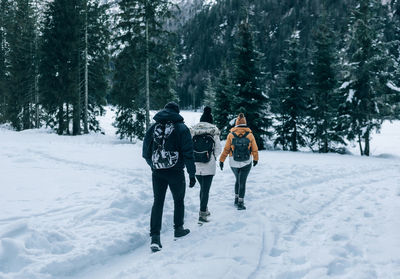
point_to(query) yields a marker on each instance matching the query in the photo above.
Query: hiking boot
(180, 231)
(155, 245)
(240, 205)
(236, 201)
(203, 217)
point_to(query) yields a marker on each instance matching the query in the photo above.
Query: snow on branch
(392, 86)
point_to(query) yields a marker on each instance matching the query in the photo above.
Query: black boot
(203, 217)
(155, 245)
(236, 201)
(240, 205)
(180, 231)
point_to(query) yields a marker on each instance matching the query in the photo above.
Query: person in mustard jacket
(241, 147)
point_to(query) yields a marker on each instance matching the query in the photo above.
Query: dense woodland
(310, 73)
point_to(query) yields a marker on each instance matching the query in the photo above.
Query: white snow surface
(79, 207)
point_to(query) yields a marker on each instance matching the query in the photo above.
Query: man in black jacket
(179, 141)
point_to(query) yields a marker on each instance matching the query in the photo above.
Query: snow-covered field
(79, 207)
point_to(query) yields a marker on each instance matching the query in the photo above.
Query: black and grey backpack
(203, 148)
(162, 158)
(241, 151)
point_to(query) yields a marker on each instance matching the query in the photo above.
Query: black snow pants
(241, 178)
(205, 184)
(175, 179)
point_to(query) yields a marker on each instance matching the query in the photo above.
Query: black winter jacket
(181, 141)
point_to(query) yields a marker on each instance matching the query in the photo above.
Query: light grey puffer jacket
(207, 128)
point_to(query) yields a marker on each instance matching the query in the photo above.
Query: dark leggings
(241, 177)
(205, 184)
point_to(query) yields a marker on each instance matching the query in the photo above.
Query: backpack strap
(236, 136)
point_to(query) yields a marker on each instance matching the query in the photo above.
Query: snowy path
(79, 208)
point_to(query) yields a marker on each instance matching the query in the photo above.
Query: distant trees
(145, 65)
(65, 54)
(246, 95)
(308, 74)
(292, 98)
(366, 73)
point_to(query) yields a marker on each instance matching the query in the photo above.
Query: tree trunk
(60, 120)
(360, 145)
(85, 113)
(76, 116)
(147, 76)
(294, 138)
(367, 142)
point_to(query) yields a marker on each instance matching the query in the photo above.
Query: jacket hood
(240, 130)
(167, 115)
(204, 128)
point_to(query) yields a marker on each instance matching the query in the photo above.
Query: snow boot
(203, 217)
(155, 245)
(236, 200)
(240, 205)
(180, 231)
(207, 212)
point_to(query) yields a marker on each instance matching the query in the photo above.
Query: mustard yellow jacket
(240, 131)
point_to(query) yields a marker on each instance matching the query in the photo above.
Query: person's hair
(207, 116)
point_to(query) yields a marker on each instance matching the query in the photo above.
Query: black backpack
(203, 147)
(161, 158)
(241, 152)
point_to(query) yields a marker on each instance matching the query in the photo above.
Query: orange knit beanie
(241, 120)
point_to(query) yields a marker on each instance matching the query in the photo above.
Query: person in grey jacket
(206, 171)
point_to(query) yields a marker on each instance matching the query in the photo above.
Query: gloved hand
(192, 181)
(255, 163)
(221, 165)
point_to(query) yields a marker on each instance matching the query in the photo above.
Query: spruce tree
(293, 98)
(223, 96)
(94, 70)
(4, 27)
(323, 110)
(209, 93)
(21, 65)
(367, 75)
(145, 66)
(247, 96)
(394, 79)
(59, 69)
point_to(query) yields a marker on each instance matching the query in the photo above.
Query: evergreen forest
(306, 73)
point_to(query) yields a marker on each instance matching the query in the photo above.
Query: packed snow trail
(79, 207)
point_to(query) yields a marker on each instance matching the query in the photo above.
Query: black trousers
(175, 179)
(241, 175)
(205, 184)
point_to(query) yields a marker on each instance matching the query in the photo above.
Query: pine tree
(145, 66)
(222, 112)
(4, 27)
(247, 96)
(293, 98)
(323, 110)
(95, 41)
(209, 93)
(367, 76)
(59, 69)
(21, 66)
(393, 95)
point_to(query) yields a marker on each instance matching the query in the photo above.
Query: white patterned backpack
(161, 158)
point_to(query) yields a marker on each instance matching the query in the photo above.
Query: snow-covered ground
(79, 207)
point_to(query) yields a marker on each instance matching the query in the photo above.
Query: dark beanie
(206, 116)
(172, 106)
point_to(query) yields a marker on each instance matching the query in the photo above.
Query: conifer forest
(306, 73)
